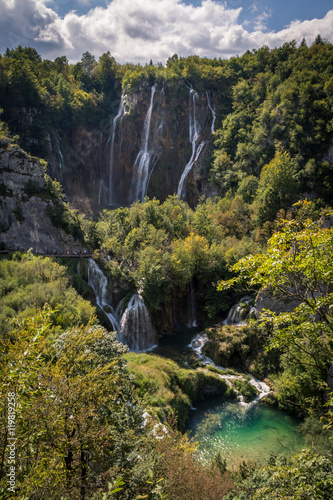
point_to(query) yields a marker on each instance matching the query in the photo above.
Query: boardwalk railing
(76, 255)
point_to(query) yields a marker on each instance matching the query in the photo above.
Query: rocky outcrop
(266, 300)
(25, 204)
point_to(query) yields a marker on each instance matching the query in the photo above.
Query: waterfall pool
(240, 433)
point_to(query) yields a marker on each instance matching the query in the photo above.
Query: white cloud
(260, 21)
(140, 30)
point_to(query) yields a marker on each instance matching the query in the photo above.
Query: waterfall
(197, 344)
(98, 282)
(114, 126)
(194, 131)
(100, 190)
(213, 113)
(240, 311)
(136, 329)
(192, 320)
(61, 158)
(143, 160)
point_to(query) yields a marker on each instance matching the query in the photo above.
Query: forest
(95, 420)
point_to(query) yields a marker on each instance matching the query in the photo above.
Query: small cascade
(112, 139)
(101, 190)
(213, 113)
(263, 389)
(197, 344)
(194, 132)
(136, 329)
(60, 156)
(98, 282)
(61, 162)
(192, 317)
(240, 311)
(144, 158)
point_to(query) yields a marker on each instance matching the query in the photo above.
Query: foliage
(277, 187)
(78, 422)
(159, 248)
(169, 389)
(297, 268)
(60, 212)
(28, 282)
(277, 96)
(308, 475)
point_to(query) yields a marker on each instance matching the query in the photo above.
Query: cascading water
(194, 132)
(98, 282)
(240, 311)
(143, 160)
(192, 319)
(263, 389)
(158, 134)
(100, 190)
(136, 329)
(112, 139)
(61, 158)
(213, 113)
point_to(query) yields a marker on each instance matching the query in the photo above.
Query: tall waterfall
(114, 126)
(136, 329)
(212, 111)
(192, 317)
(98, 282)
(194, 131)
(143, 160)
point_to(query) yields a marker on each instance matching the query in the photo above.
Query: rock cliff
(27, 205)
(159, 131)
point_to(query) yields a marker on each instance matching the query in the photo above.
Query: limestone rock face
(24, 202)
(265, 300)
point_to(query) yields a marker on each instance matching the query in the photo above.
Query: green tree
(297, 268)
(278, 187)
(78, 422)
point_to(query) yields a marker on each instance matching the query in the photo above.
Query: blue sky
(140, 30)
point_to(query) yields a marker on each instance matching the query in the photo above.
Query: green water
(249, 433)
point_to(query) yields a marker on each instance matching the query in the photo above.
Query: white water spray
(194, 131)
(114, 126)
(262, 388)
(136, 329)
(60, 156)
(212, 111)
(143, 160)
(240, 311)
(192, 317)
(98, 282)
(100, 190)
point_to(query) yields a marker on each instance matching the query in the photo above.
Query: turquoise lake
(249, 433)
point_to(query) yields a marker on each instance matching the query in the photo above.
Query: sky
(141, 30)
